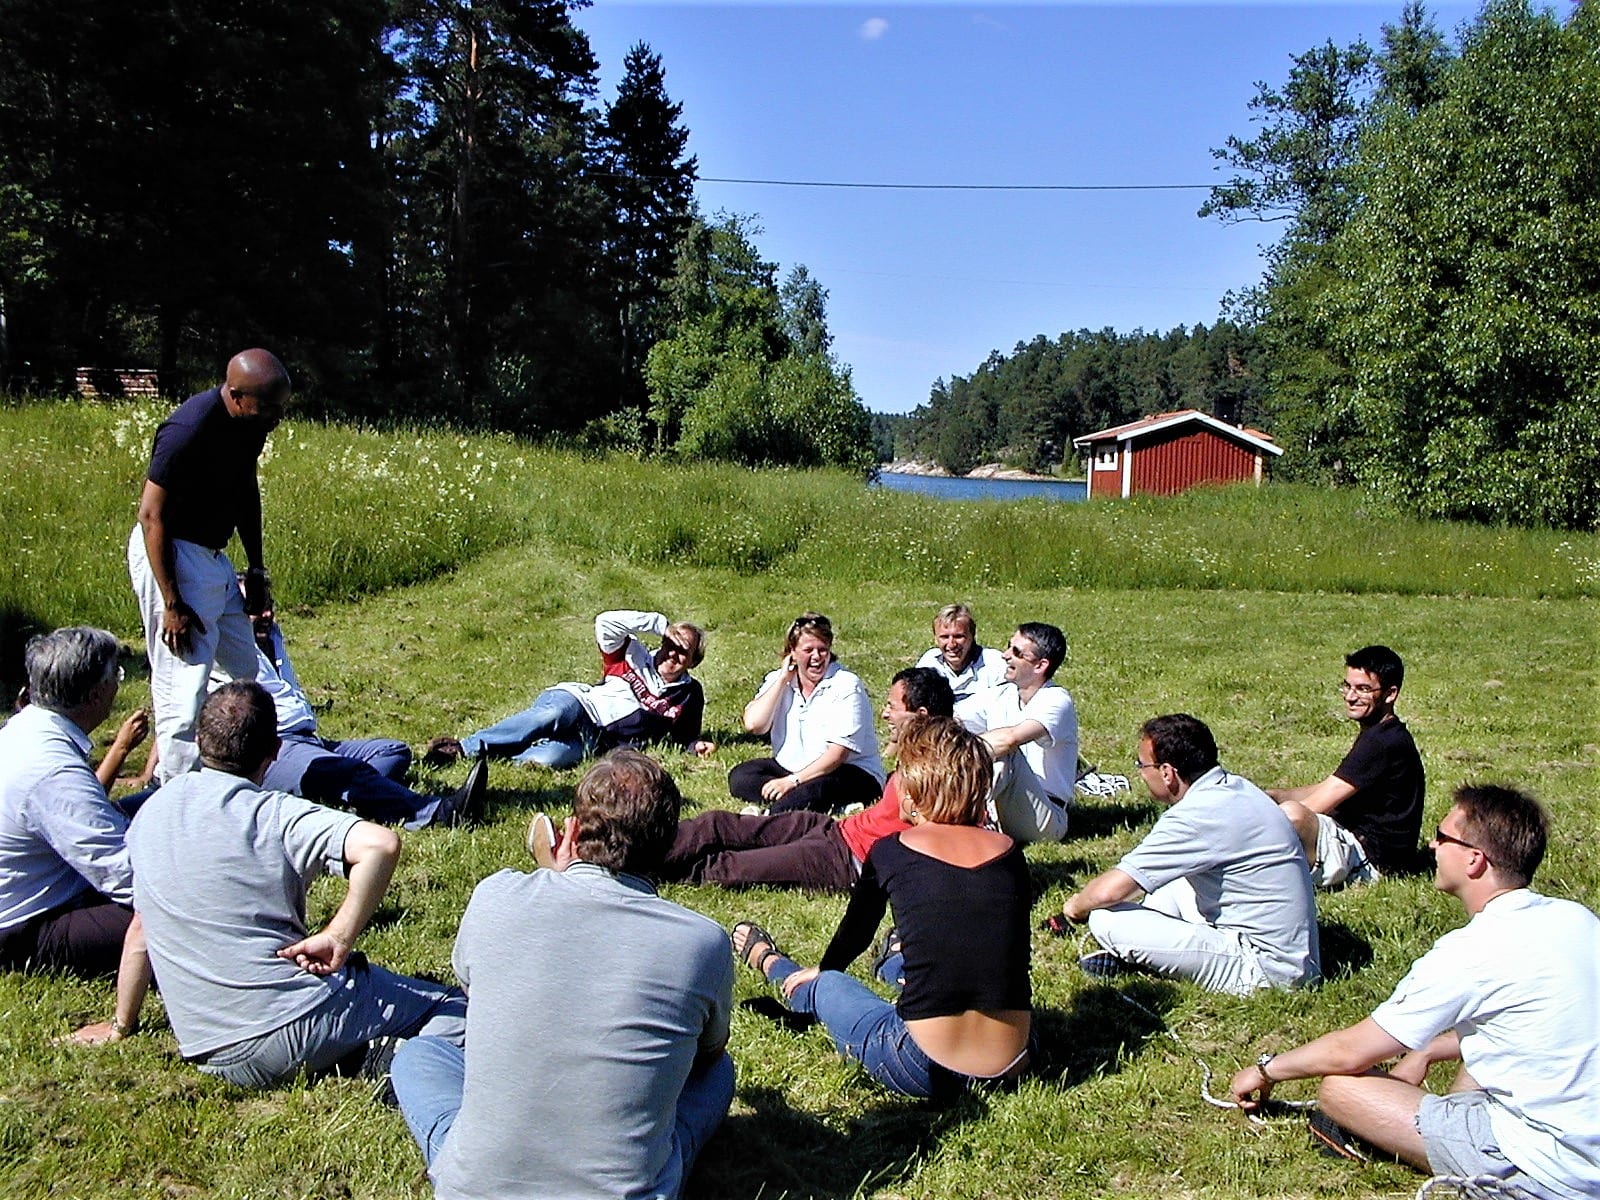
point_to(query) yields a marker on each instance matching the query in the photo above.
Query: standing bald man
(201, 486)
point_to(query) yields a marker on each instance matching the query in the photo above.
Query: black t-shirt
(964, 930)
(206, 460)
(1385, 813)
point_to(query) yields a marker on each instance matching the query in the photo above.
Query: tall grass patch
(349, 512)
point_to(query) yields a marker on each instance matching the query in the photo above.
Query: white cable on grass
(1476, 1187)
(1256, 1117)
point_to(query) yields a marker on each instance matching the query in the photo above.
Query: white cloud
(874, 28)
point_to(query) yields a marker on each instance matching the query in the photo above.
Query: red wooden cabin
(1171, 452)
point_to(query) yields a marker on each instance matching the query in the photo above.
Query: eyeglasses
(1144, 766)
(1360, 689)
(1017, 651)
(668, 646)
(1440, 836)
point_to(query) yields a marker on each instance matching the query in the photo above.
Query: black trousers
(841, 787)
(82, 937)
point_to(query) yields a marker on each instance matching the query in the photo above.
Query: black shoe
(1103, 964)
(463, 805)
(1329, 1137)
(375, 1067)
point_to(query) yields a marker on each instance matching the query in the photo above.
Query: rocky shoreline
(986, 471)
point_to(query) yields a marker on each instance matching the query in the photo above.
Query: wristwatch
(1261, 1065)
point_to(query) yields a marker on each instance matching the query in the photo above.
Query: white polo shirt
(986, 669)
(1054, 754)
(838, 713)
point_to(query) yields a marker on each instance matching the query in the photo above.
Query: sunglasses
(1440, 836)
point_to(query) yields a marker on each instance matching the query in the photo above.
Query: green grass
(352, 512)
(1502, 685)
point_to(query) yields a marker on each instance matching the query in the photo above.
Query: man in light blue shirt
(1228, 900)
(66, 884)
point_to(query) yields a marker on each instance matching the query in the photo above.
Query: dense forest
(1024, 409)
(1429, 322)
(422, 204)
(427, 207)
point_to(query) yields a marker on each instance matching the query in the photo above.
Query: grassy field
(412, 610)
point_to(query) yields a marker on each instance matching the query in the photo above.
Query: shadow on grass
(1065, 873)
(16, 627)
(776, 1150)
(387, 916)
(1344, 952)
(543, 798)
(1101, 1028)
(1102, 818)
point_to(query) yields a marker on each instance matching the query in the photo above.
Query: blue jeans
(361, 774)
(863, 1027)
(368, 1003)
(554, 731)
(870, 1030)
(429, 1075)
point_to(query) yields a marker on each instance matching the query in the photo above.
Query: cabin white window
(1105, 458)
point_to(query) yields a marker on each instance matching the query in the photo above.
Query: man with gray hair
(66, 884)
(221, 868)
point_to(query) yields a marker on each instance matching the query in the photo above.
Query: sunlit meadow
(430, 582)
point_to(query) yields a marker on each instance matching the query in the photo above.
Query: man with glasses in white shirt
(1364, 819)
(1031, 727)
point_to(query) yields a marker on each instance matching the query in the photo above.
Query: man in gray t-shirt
(221, 868)
(1228, 901)
(595, 1061)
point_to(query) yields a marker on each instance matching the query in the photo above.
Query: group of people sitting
(1227, 877)
(599, 1014)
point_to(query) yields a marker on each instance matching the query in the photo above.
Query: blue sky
(924, 284)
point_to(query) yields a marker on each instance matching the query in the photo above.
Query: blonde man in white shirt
(969, 668)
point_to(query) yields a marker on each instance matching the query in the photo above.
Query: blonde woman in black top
(960, 897)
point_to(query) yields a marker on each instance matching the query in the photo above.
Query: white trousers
(1021, 807)
(1167, 936)
(208, 584)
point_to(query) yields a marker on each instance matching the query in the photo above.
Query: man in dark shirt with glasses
(1364, 819)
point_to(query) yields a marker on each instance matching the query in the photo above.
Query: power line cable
(871, 185)
(966, 187)
(960, 188)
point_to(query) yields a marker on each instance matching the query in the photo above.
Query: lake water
(948, 488)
